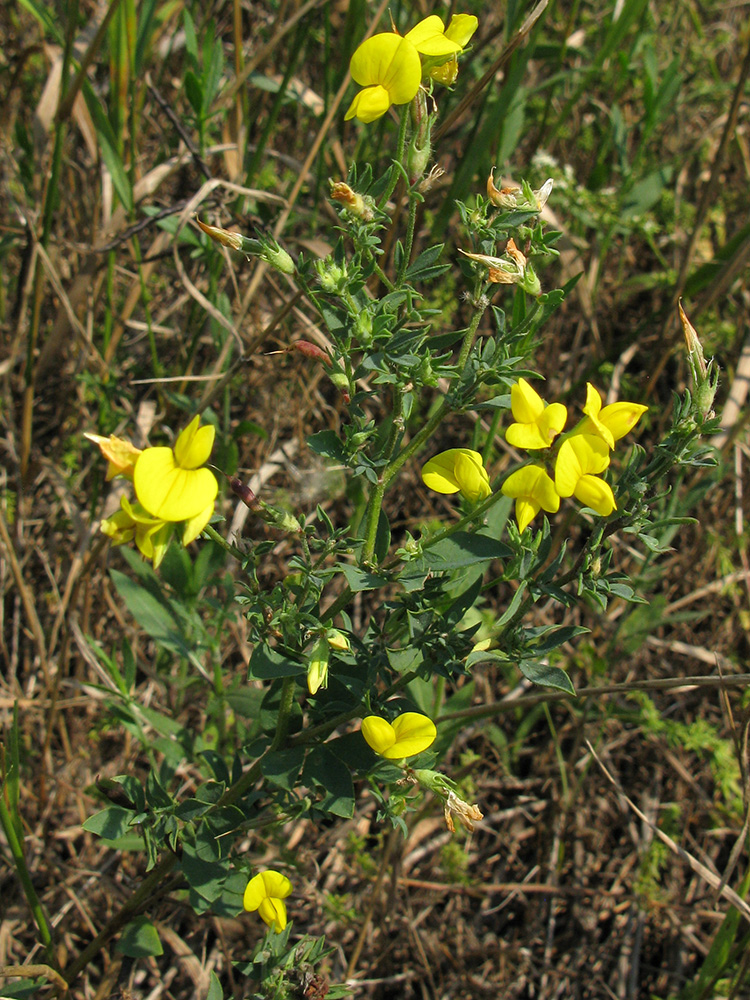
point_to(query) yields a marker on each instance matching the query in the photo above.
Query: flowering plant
(356, 633)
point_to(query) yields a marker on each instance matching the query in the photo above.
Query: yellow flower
(536, 425)
(579, 461)
(120, 454)
(406, 736)
(431, 38)
(266, 892)
(389, 68)
(610, 422)
(170, 484)
(151, 534)
(458, 470)
(533, 490)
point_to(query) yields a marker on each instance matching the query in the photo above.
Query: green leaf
(546, 676)
(108, 147)
(282, 767)
(464, 549)
(215, 991)
(325, 769)
(154, 614)
(425, 266)
(327, 443)
(266, 663)
(140, 939)
(359, 579)
(110, 823)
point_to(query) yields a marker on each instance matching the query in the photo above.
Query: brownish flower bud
(311, 351)
(245, 494)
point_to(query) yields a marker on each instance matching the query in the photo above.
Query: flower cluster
(581, 457)
(583, 454)
(390, 67)
(171, 488)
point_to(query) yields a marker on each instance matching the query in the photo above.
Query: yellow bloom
(120, 454)
(533, 490)
(458, 470)
(610, 422)
(536, 425)
(317, 665)
(579, 461)
(266, 893)
(170, 484)
(406, 736)
(389, 68)
(151, 534)
(431, 38)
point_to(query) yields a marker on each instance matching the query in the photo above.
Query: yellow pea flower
(579, 461)
(121, 455)
(609, 422)
(431, 38)
(533, 490)
(170, 484)
(458, 470)
(536, 425)
(133, 522)
(266, 892)
(389, 69)
(406, 736)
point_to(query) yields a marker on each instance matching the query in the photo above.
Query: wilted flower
(169, 482)
(121, 455)
(406, 736)
(458, 470)
(579, 461)
(354, 203)
(611, 422)
(537, 425)
(266, 892)
(468, 814)
(513, 269)
(533, 490)
(516, 197)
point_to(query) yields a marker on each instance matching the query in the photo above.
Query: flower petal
(414, 733)
(621, 418)
(194, 444)
(526, 511)
(378, 733)
(429, 38)
(265, 885)
(121, 455)
(369, 104)
(194, 525)
(273, 912)
(580, 455)
(461, 28)
(471, 475)
(170, 492)
(595, 493)
(391, 61)
(525, 402)
(439, 473)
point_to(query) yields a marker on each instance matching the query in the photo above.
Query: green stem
(409, 239)
(16, 849)
(400, 147)
(214, 535)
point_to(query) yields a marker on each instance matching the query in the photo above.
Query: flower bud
(277, 257)
(333, 277)
(338, 640)
(311, 351)
(705, 376)
(245, 494)
(317, 666)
